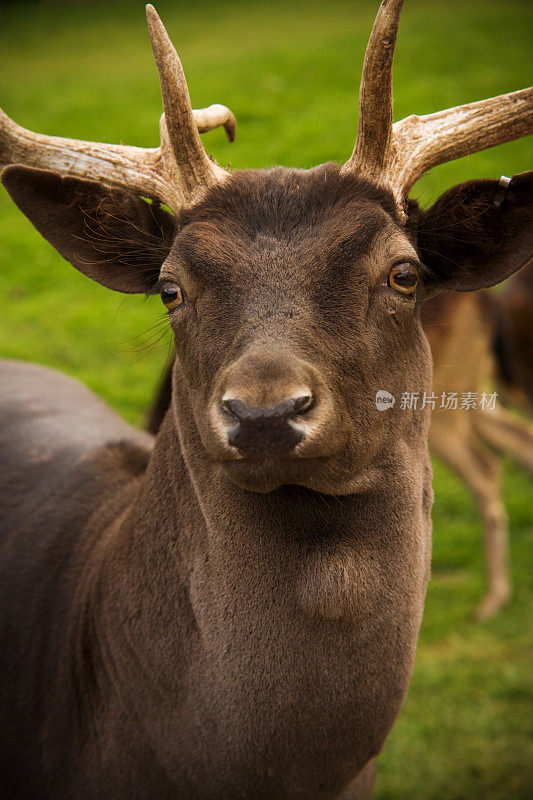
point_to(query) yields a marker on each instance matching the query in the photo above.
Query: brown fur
(215, 625)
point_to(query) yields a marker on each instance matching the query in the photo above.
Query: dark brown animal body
(171, 650)
(189, 633)
(233, 612)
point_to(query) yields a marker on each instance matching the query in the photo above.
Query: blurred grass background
(290, 70)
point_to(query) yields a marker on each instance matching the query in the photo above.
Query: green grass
(290, 72)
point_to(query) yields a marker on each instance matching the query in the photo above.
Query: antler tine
(397, 155)
(375, 95)
(195, 170)
(137, 169)
(211, 117)
(420, 143)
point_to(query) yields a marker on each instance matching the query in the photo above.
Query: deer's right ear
(112, 236)
(478, 233)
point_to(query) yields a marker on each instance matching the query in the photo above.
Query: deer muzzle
(272, 406)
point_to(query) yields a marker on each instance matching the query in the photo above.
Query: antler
(176, 173)
(397, 155)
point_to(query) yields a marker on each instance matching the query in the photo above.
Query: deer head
(293, 295)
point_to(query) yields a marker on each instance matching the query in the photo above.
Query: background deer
(479, 343)
(233, 612)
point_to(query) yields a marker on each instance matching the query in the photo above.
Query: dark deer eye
(171, 295)
(403, 278)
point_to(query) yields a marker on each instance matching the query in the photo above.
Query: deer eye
(171, 295)
(403, 278)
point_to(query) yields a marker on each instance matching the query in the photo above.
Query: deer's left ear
(477, 233)
(111, 235)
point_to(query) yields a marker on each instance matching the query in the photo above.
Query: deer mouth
(276, 452)
(267, 474)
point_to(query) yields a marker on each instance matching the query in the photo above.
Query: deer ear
(477, 233)
(110, 235)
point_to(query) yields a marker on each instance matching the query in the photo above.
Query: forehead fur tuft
(278, 200)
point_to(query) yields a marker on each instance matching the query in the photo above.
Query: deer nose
(265, 430)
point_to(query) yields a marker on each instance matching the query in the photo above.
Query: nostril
(235, 408)
(302, 404)
(239, 411)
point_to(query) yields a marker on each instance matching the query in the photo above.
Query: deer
(480, 340)
(231, 609)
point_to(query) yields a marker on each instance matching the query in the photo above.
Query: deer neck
(253, 611)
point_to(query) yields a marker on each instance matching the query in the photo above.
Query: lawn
(290, 70)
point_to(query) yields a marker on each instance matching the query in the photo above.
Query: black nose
(261, 430)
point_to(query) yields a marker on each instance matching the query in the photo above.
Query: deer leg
(480, 471)
(496, 550)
